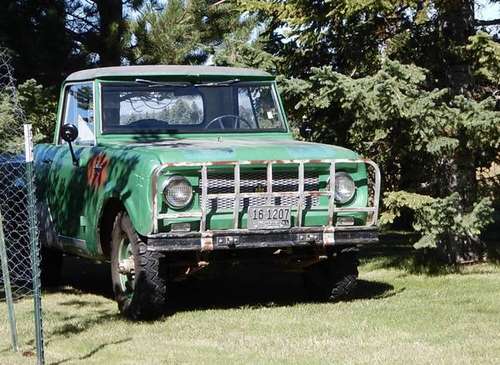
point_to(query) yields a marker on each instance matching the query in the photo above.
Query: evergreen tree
(182, 32)
(333, 58)
(35, 33)
(101, 28)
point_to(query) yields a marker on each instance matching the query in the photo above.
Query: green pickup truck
(171, 171)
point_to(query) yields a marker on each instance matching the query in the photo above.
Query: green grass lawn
(396, 318)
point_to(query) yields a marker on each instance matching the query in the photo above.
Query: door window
(79, 110)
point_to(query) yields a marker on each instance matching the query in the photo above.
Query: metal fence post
(35, 260)
(7, 287)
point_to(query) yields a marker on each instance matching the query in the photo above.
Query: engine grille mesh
(256, 181)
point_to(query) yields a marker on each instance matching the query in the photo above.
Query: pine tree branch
(487, 22)
(84, 20)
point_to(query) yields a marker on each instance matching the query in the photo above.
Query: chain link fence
(19, 250)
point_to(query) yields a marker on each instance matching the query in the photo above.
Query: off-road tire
(333, 279)
(149, 294)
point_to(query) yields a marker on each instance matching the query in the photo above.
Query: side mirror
(305, 130)
(69, 133)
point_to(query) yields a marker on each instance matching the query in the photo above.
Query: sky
(487, 11)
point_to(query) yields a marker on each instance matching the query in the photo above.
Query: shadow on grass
(82, 324)
(257, 290)
(80, 276)
(79, 303)
(78, 323)
(74, 325)
(243, 287)
(374, 290)
(92, 352)
(395, 251)
(19, 291)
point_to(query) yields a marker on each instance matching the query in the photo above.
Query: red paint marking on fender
(97, 171)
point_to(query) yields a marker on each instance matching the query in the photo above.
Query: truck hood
(187, 150)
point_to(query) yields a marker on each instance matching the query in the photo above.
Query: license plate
(268, 217)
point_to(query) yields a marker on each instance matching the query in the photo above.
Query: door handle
(47, 160)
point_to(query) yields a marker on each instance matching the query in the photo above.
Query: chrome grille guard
(237, 195)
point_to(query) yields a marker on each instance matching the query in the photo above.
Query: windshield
(155, 107)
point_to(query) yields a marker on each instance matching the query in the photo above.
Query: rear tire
(51, 259)
(139, 280)
(51, 267)
(333, 279)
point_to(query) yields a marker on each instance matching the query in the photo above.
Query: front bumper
(255, 239)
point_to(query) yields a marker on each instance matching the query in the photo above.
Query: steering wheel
(237, 121)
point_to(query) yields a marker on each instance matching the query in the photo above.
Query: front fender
(128, 179)
(136, 199)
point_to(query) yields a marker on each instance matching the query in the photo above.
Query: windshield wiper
(162, 83)
(187, 84)
(218, 83)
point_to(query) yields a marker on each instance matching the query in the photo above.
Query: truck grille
(255, 181)
(289, 179)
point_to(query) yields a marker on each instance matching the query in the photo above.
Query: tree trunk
(461, 179)
(456, 23)
(460, 174)
(456, 20)
(112, 27)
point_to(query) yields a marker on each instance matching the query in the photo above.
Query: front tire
(139, 280)
(333, 279)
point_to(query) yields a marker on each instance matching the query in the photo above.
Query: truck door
(67, 181)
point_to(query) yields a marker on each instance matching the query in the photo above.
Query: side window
(79, 110)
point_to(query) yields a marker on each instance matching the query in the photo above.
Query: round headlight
(344, 187)
(178, 192)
